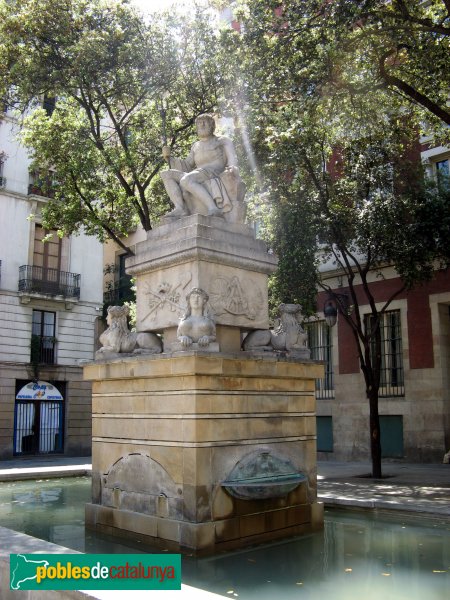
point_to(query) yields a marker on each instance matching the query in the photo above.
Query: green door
(324, 434)
(391, 435)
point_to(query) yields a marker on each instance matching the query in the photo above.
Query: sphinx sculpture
(196, 327)
(118, 340)
(289, 336)
(207, 181)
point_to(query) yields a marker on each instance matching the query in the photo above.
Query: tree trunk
(375, 442)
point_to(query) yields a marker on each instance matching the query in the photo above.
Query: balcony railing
(121, 291)
(41, 189)
(42, 350)
(49, 282)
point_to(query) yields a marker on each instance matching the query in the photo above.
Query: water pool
(359, 555)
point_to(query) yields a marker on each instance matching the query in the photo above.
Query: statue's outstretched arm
(180, 164)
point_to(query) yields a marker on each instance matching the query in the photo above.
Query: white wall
(15, 330)
(14, 238)
(74, 329)
(16, 166)
(74, 326)
(86, 258)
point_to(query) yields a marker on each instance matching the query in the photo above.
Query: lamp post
(330, 309)
(330, 313)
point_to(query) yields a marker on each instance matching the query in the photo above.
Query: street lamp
(330, 313)
(330, 310)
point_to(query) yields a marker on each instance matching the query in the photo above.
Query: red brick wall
(420, 334)
(348, 351)
(419, 330)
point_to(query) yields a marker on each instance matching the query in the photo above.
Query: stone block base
(210, 537)
(204, 451)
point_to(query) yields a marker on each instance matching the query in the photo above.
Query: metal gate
(38, 427)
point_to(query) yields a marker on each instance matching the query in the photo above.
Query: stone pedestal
(170, 431)
(210, 447)
(198, 251)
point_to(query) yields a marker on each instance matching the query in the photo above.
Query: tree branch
(87, 106)
(103, 225)
(141, 206)
(392, 80)
(427, 24)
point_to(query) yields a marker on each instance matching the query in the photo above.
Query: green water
(358, 556)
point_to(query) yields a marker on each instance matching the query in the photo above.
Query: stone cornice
(194, 238)
(253, 262)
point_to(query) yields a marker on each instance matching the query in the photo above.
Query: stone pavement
(36, 467)
(419, 488)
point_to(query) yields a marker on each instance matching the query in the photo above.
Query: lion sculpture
(288, 337)
(117, 339)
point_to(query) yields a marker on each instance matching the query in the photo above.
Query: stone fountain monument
(202, 441)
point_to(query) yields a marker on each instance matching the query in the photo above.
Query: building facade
(414, 402)
(414, 398)
(50, 304)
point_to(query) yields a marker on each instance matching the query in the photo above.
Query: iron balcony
(48, 282)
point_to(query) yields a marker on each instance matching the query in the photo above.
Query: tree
(333, 142)
(111, 72)
(352, 48)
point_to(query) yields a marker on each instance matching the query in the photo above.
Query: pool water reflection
(359, 555)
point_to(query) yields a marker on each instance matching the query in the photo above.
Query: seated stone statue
(207, 181)
(196, 327)
(289, 336)
(117, 339)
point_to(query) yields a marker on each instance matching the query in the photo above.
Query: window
(121, 290)
(392, 375)
(320, 344)
(324, 434)
(43, 337)
(46, 254)
(443, 173)
(42, 183)
(124, 283)
(442, 167)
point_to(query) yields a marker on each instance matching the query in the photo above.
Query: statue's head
(116, 313)
(207, 119)
(198, 292)
(200, 296)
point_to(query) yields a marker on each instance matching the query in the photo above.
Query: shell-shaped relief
(263, 475)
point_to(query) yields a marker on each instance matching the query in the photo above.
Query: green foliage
(296, 277)
(110, 71)
(350, 49)
(132, 315)
(334, 96)
(335, 141)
